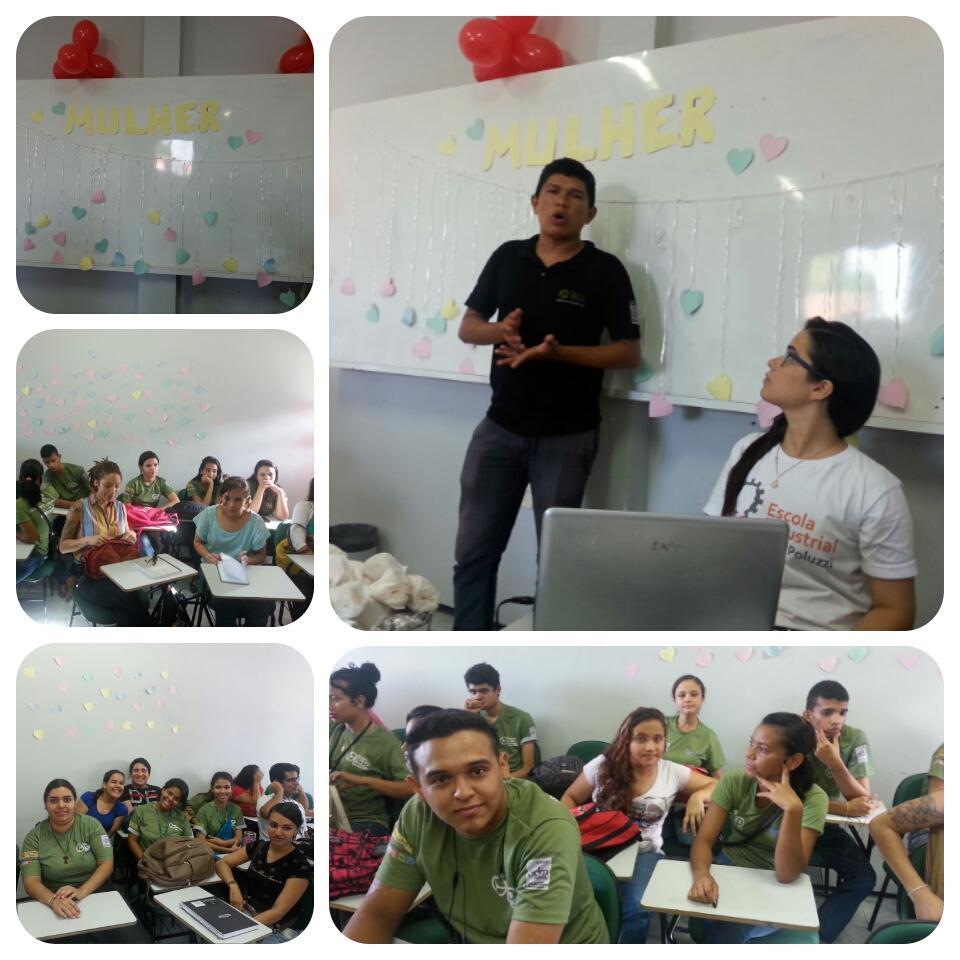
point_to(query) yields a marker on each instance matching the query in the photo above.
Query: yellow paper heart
(136, 394)
(720, 387)
(25, 391)
(165, 674)
(37, 116)
(448, 147)
(154, 217)
(30, 672)
(38, 734)
(105, 693)
(88, 707)
(174, 727)
(449, 309)
(230, 265)
(667, 654)
(127, 725)
(42, 221)
(92, 424)
(86, 263)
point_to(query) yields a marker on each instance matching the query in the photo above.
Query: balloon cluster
(504, 47)
(77, 60)
(298, 59)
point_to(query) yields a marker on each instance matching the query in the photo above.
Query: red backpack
(354, 858)
(605, 830)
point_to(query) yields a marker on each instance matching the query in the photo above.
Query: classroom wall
(667, 465)
(206, 710)
(238, 395)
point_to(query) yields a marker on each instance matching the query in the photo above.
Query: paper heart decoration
(57, 257)
(475, 130)
(118, 671)
(771, 146)
(449, 310)
(174, 727)
(204, 407)
(56, 709)
(230, 265)
(119, 260)
(88, 706)
(63, 687)
(235, 142)
(631, 670)
(667, 654)
(270, 265)
(691, 301)
(92, 424)
(744, 654)
(704, 659)
(767, 413)
(199, 277)
(28, 244)
(893, 394)
(109, 725)
(173, 690)
(154, 216)
(263, 278)
(828, 664)
(86, 263)
(422, 348)
(771, 651)
(209, 217)
(141, 267)
(200, 435)
(288, 298)
(37, 116)
(127, 725)
(159, 703)
(466, 366)
(858, 654)
(126, 437)
(372, 314)
(98, 196)
(88, 676)
(387, 288)
(43, 221)
(720, 387)
(739, 160)
(136, 394)
(29, 228)
(348, 288)
(660, 406)
(79, 212)
(151, 724)
(101, 245)
(150, 691)
(909, 661)
(448, 147)
(164, 417)
(165, 674)
(58, 108)
(59, 238)
(105, 692)
(409, 317)
(181, 256)
(169, 234)
(71, 731)
(37, 734)
(253, 136)
(136, 706)
(437, 324)
(25, 391)
(936, 342)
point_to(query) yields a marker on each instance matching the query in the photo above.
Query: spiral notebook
(219, 917)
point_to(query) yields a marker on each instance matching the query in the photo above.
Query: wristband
(910, 893)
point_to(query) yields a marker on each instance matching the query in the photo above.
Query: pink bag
(140, 517)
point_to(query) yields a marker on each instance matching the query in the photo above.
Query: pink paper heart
(387, 288)
(766, 412)
(185, 396)
(49, 431)
(253, 136)
(164, 417)
(108, 421)
(28, 244)
(909, 661)
(704, 659)
(113, 397)
(122, 368)
(71, 731)
(893, 394)
(660, 406)
(151, 411)
(63, 687)
(117, 671)
(173, 441)
(138, 375)
(136, 706)
(771, 146)
(173, 691)
(828, 664)
(632, 670)
(90, 438)
(219, 421)
(98, 196)
(109, 724)
(348, 287)
(466, 366)
(28, 433)
(58, 661)
(184, 371)
(199, 277)
(57, 257)
(204, 407)
(744, 654)
(263, 278)
(423, 348)
(170, 234)
(59, 238)
(126, 437)
(159, 703)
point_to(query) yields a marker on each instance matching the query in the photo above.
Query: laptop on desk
(615, 570)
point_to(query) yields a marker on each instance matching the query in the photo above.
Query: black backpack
(555, 775)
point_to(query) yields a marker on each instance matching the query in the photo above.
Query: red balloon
(484, 42)
(532, 53)
(86, 35)
(72, 59)
(505, 68)
(100, 67)
(517, 26)
(297, 59)
(60, 73)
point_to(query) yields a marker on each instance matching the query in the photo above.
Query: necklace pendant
(66, 859)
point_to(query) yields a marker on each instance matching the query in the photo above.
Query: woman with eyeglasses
(850, 562)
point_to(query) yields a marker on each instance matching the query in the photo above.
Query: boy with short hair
(502, 858)
(515, 728)
(65, 483)
(843, 768)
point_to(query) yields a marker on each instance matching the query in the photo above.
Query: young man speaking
(502, 858)
(554, 294)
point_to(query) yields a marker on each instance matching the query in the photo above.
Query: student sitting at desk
(366, 762)
(631, 776)
(66, 857)
(106, 804)
(165, 818)
(888, 829)
(65, 483)
(269, 498)
(219, 823)
(776, 813)
(247, 789)
(32, 526)
(232, 528)
(300, 536)
(148, 489)
(279, 873)
(515, 728)
(842, 765)
(502, 857)
(138, 790)
(849, 563)
(284, 786)
(204, 488)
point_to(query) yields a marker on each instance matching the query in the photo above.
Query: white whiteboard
(846, 222)
(180, 174)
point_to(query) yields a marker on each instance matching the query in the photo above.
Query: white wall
(397, 443)
(217, 710)
(256, 384)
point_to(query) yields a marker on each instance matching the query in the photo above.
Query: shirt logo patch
(572, 297)
(175, 828)
(508, 742)
(29, 855)
(738, 821)
(399, 841)
(105, 840)
(503, 889)
(861, 753)
(634, 319)
(538, 874)
(362, 762)
(83, 847)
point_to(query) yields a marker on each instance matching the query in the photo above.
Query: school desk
(24, 550)
(266, 583)
(352, 903)
(171, 902)
(747, 895)
(209, 881)
(856, 824)
(99, 911)
(141, 574)
(59, 511)
(304, 561)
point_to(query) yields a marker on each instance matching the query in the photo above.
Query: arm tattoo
(72, 526)
(916, 814)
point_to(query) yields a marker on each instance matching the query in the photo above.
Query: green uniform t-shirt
(143, 494)
(72, 484)
(529, 868)
(210, 820)
(737, 794)
(855, 754)
(936, 764)
(33, 514)
(374, 753)
(196, 489)
(149, 825)
(514, 728)
(698, 748)
(85, 845)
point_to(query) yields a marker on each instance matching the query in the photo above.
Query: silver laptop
(613, 570)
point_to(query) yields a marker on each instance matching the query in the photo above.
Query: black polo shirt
(575, 300)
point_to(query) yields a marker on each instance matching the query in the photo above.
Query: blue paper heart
(79, 212)
(210, 217)
(121, 696)
(58, 108)
(475, 130)
(183, 421)
(437, 324)
(101, 245)
(691, 301)
(201, 389)
(88, 677)
(739, 160)
(409, 317)
(141, 267)
(56, 709)
(182, 256)
(28, 227)
(270, 265)
(119, 260)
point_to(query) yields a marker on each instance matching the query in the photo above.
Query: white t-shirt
(651, 808)
(262, 821)
(848, 520)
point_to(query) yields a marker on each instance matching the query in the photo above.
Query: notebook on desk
(219, 917)
(615, 570)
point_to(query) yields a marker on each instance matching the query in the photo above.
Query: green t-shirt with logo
(196, 489)
(149, 824)
(210, 820)
(698, 748)
(375, 753)
(737, 794)
(936, 764)
(142, 494)
(855, 754)
(85, 845)
(72, 484)
(33, 514)
(529, 869)
(514, 728)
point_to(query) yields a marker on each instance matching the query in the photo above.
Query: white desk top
(524, 623)
(24, 550)
(304, 561)
(266, 583)
(352, 903)
(622, 862)
(140, 574)
(272, 524)
(857, 821)
(59, 511)
(99, 911)
(171, 903)
(746, 896)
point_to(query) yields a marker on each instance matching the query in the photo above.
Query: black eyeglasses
(791, 356)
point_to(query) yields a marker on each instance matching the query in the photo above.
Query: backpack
(176, 862)
(354, 858)
(110, 551)
(555, 775)
(604, 832)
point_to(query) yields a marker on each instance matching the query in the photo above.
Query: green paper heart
(79, 212)
(936, 342)
(155, 429)
(200, 435)
(437, 324)
(38, 422)
(87, 676)
(167, 407)
(183, 421)
(691, 301)
(181, 256)
(63, 429)
(475, 130)
(644, 372)
(210, 217)
(58, 108)
(166, 384)
(101, 245)
(29, 228)
(859, 654)
(103, 433)
(373, 314)
(288, 298)
(129, 416)
(739, 160)
(235, 142)
(141, 267)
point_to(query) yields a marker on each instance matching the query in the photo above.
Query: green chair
(39, 578)
(93, 613)
(907, 789)
(918, 859)
(903, 931)
(606, 893)
(426, 930)
(400, 733)
(586, 750)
